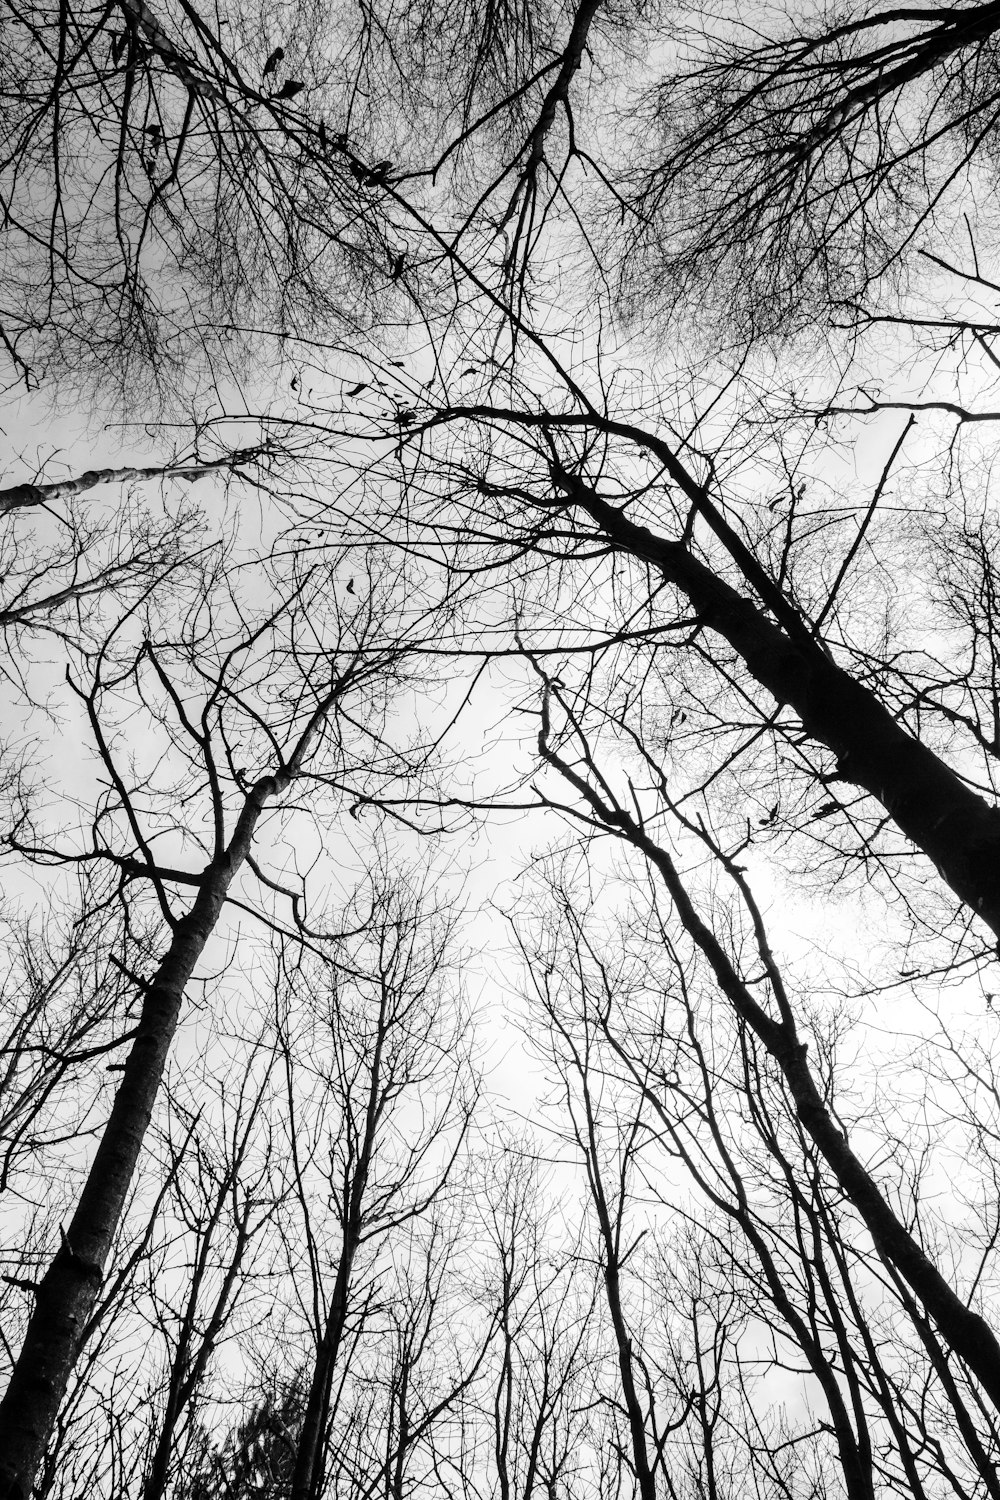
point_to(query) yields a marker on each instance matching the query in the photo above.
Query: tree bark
(25, 496)
(65, 1297)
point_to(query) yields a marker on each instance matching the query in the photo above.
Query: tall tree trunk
(307, 1474)
(309, 1453)
(610, 1232)
(645, 1477)
(65, 1297)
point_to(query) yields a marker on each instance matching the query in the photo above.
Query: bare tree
(747, 671)
(59, 569)
(778, 161)
(793, 1202)
(206, 708)
(375, 1046)
(547, 1340)
(607, 1143)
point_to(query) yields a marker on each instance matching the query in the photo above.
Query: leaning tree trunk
(935, 809)
(958, 830)
(27, 496)
(967, 1333)
(65, 1297)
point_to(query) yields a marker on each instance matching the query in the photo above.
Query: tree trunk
(645, 1478)
(309, 1454)
(305, 1476)
(968, 1334)
(25, 496)
(65, 1297)
(958, 830)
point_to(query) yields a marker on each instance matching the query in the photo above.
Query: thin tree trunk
(968, 1334)
(187, 1370)
(309, 1454)
(645, 1477)
(643, 1470)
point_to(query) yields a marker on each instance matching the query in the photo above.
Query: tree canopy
(501, 660)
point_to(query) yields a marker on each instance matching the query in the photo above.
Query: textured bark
(65, 1297)
(25, 496)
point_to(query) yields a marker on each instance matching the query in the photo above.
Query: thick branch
(23, 496)
(956, 828)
